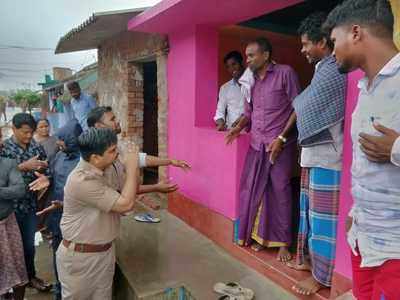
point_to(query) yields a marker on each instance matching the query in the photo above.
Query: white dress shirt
(247, 82)
(395, 157)
(376, 186)
(231, 101)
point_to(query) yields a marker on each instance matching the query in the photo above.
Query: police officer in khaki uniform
(91, 217)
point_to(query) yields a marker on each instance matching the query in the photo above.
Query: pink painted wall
(216, 168)
(206, 75)
(192, 86)
(193, 69)
(342, 250)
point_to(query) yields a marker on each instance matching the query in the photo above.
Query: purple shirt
(271, 104)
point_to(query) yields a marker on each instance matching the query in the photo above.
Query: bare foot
(257, 247)
(308, 286)
(303, 267)
(284, 254)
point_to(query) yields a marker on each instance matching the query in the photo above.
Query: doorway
(150, 118)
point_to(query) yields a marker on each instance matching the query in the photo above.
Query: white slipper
(233, 289)
(229, 297)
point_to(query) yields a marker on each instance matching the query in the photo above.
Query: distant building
(131, 77)
(87, 78)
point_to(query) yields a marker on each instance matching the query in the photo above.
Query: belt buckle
(80, 247)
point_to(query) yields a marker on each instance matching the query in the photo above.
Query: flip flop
(234, 289)
(229, 297)
(257, 247)
(147, 218)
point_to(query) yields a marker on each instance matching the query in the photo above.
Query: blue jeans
(27, 225)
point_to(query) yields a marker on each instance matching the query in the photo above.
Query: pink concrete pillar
(206, 75)
(192, 93)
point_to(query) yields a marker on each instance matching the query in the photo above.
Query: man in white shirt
(362, 31)
(231, 100)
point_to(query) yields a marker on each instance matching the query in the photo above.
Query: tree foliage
(26, 99)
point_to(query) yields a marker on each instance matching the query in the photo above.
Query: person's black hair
(73, 85)
(96, 114)
(375, 14)
(264, 44)
(312, 27)
(70, 134)
(236, 55)
(96, 141)
(22, 119)
(43, 119)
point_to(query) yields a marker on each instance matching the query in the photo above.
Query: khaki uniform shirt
(116, 175)
(88, 200)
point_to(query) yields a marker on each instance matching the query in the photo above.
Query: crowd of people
(41, 172)
(81, 181)
(266, 100)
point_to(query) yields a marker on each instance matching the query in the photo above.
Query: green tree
(26, 99)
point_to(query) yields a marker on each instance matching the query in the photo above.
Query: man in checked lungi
(320, 114)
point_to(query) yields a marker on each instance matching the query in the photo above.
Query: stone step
(157, 259)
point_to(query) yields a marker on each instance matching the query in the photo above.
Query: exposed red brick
(120, 85)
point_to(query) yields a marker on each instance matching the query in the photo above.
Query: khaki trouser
(85, 276)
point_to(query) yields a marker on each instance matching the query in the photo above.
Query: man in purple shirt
(265, 197)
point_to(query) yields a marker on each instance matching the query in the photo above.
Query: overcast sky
(40, 24)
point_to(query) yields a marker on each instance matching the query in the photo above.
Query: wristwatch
(282, 138)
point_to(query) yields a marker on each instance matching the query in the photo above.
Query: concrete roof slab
(98, 28)
(173, 15)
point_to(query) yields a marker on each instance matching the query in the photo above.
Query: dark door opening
(287, 20)
(150, 118)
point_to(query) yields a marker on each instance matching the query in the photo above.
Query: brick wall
(134, 119)
(120, 83)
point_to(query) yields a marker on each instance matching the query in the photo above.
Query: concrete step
(222, 230)
(153, 258)
(267, 264)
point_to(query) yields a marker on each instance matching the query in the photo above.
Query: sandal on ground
(40, 285)
(233, 289)
(229, 297)
(257, 247)
(147, 218)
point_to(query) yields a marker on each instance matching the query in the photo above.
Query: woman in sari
(48, 142)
